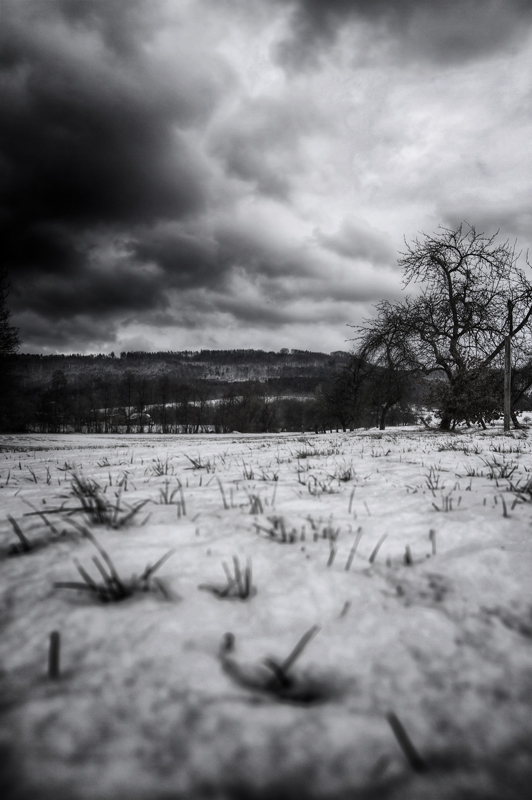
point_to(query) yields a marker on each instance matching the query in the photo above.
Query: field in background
(267, 615)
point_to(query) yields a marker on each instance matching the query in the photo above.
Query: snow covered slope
(342, 616)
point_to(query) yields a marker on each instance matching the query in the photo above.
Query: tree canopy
(469, 294)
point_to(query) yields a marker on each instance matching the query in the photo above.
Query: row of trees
(134, 403)
(470, 299)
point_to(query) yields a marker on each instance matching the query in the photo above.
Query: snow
(152, 700)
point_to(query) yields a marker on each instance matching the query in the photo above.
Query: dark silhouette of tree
(387, 387)
(107, 400)
(163, 396)
(183, 408)
(126, 393)
(382, 375)
(339, 399)
(471, 295)
(86, 406)
(55, 413)
(366, 389)
(521, 385)
(9, 337)
(9, 344)
(225, 412)
(142, 399)
(200, 395)
(476, 397)
(291, 414)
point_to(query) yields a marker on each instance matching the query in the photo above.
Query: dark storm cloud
(120, 37)
(93, 139)
(98, 293)
(440, 30)
(257, 143)
(77, 334)
(185, 260)
(189, 260)
(257, 314)
(258, 252)
(359, 241)
(160, 173)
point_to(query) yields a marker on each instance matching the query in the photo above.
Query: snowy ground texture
(414, 680)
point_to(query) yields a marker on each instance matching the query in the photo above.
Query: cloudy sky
(179, 174)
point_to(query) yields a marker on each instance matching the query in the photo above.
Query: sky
(188, 174)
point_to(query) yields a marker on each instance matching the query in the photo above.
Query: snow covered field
(400, 563)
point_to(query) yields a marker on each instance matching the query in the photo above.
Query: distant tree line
(133, 403)
(151, 391)
(127, 359)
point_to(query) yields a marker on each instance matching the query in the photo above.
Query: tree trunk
(507, 382)
(384, 411)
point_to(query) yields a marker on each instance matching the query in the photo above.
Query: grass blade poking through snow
(149, 571)
(239, 586)
(281, 681)
(351, 500)
(226, 506)
(113, 588)
(298, 649)
(377, 547)
(96, 507)
(273, 676)
(53, 655)
(353, 550)
(414, 759)
(24, 546)
(41, 514)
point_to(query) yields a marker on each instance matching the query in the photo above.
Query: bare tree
(471, 294)
(388, 365)
(338, 399)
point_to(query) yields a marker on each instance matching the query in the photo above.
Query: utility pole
(508, 370)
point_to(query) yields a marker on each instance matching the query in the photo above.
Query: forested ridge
(225, 366)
